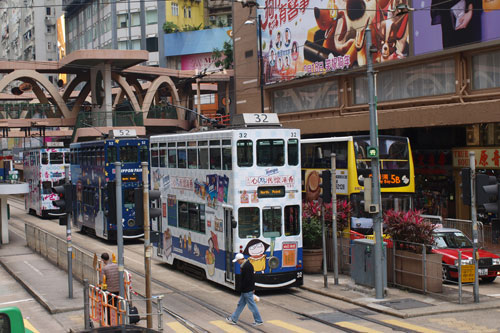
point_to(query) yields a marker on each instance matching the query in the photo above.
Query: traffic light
(487, 192)
(326, 186)
(465, 186)
(110, 202)
(64, 203)
(154, 210)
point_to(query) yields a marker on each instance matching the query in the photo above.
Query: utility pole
(261, 65)
(472, 165)
(333, 164)
(147, 244)
(69, 218)
(119, 226)
(373, 153)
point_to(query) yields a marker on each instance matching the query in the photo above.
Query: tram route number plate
(467, 273)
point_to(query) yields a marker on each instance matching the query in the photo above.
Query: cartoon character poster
(256, 250)
(213, 245)
(317, 36)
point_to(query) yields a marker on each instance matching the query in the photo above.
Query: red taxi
(448, 242)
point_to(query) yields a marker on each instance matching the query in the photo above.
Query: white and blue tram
(231, 191)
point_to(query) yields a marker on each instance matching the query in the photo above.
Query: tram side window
(67, 158)
(293, 152)
(215, 156)
(192, 158)
(163, 157)
(202, 156)
(45, 159)
(111, 154)
(248, 222)
(270, 152)
(172, 158)
(340, 150)
(271, 221)
(181, 158)
(100, 157)
(244, 153)
(46, 187)
(292, 221)
(227, 162)
(192, 216)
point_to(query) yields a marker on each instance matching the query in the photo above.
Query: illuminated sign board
(271, 192)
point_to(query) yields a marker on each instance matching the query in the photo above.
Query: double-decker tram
(43, 169)
(93, 179)
(235, 190)
(397, 175)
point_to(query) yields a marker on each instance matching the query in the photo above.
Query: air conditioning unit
(212, 17)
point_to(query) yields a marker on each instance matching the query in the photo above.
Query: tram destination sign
(271, 192)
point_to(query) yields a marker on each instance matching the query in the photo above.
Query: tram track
(193, 327)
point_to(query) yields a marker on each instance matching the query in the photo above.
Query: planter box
(409, 271)
(313, 260)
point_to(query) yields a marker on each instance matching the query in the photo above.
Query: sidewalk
(398, 302)
(49, 285)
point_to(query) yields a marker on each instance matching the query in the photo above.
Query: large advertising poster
(441, 24)
(301, 37)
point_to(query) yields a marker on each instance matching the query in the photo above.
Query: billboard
(439, 24)
(301, 37)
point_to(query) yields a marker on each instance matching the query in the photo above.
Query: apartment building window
(107, 24)
(123, 21)
(429, 79)
(49, 46)
(136, 44)
(310, 97)
(152, 44)
(152, 17)
(122, 45)
(49, 29)
(136, 19)
(187, 12)
(486, 70)
(175, 9)
(47, 11)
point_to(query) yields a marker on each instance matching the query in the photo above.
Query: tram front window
(271, 221)
(56, 158)
(249, 222)
(128, 198)
(270, 152)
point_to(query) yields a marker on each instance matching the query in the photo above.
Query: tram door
(229, 244)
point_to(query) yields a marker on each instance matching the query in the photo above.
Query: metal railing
(26, 110)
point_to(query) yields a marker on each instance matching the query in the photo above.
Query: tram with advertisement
(397, 174)
(44, 168)
(229, 191)
(93, 180)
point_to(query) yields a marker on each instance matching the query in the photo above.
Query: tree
(223, 58)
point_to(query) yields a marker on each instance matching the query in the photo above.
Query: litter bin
(363, 262)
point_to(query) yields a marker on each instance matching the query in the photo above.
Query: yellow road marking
(226, 327)
(178, 327)
(28, 325)
(356, 327)
(289, 327)
(410, 326)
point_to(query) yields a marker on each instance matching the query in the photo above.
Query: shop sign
(486, 158)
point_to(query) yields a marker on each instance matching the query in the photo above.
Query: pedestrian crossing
(282, 326)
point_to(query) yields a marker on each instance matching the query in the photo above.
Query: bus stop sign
(372, 152)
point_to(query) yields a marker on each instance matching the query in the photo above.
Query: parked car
(448, 242)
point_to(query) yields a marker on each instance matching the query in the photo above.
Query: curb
(364, 305)
(43, 302)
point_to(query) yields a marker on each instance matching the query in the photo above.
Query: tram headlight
(131, 223)
(274, 262)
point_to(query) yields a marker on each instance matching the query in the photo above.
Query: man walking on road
(247, 292)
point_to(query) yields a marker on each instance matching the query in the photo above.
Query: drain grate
(405, 303)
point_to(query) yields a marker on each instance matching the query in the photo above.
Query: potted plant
(312, 252)
(412, 236)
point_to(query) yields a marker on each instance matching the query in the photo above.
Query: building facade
(28, 30)
(122, 25)
(435, 83)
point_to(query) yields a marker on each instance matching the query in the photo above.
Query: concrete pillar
(4, 222)
(100, 78)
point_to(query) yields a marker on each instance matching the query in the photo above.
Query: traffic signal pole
(472, 164)
(147, 243)
(119, 226)
(377, 217)
(69, 218)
